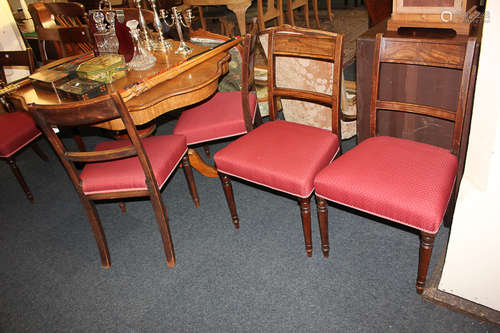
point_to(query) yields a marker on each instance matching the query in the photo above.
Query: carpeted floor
(255, 279)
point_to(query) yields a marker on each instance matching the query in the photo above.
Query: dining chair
(273, 11)
(116, 169)
(283, 155)
(226, 113)
(63, 23)
(401, 180)
(17, 128)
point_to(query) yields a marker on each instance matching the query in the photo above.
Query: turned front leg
(305, 211)
(323, 225)
(426, 245)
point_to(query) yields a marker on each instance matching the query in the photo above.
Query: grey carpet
(255, 279)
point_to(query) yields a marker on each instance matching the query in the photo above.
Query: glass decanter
(142, 59)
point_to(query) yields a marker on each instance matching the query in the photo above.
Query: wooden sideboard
(436, 87)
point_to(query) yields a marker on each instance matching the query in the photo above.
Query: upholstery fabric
(312, 75)
(404, 181)
(281, 155)
(164, 153)
(17, 129)
(219, 117)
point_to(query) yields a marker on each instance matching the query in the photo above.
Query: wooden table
(191, 82)
(239, 7)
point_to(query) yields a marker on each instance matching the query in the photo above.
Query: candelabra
(179, 20)
(162, 44)
(145, 32)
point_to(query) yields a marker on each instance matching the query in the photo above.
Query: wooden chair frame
(446, 53)
(100, 109)
(19, 58)
(300, 43)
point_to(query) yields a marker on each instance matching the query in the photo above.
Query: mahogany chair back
(101, 109)
(293, 42)
(446, 53)
(65, 24)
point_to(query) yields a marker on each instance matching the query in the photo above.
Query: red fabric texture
(17, 129)
(401, 180)
(219, 117)
(164, 153)
(282, 155)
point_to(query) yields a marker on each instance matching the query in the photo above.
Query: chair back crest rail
(452, 54)
(304, 43)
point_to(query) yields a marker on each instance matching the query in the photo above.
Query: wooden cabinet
(451, 14)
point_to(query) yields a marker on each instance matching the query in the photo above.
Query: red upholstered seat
(401, 180)
(164, 153)
(219, 117)
(281, 155)
(17, 129)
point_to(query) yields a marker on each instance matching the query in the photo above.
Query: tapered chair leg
(100, 238)
(323, 225)
(188, 172)
(123, 207)
(13, 166)
(162, 219)
(38, 151)
(228, 191)
(305, 211)
(426, 246)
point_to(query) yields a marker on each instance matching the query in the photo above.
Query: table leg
(200, 165)
(316, 15)
(239, 10)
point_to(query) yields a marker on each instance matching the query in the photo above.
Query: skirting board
(455, 303)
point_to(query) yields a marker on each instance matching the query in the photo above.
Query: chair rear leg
(305, 211)
(323, 225)
(38, 151)
(13, 166)
(100, 238)
(426, 246)
(206, 149)
(188, 172)
(228, 191)
(162, 219)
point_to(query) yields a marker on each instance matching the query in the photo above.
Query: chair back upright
(89, 112)
(453, 53)
(302, 43)
(247, 73)
(16, 58)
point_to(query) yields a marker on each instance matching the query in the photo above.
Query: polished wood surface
(171, 84)
(238, 7)
(95, 110)
(188, 87)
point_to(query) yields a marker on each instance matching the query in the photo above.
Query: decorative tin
(106, 68)
(81, 89)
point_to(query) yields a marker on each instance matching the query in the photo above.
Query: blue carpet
(255, 279)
